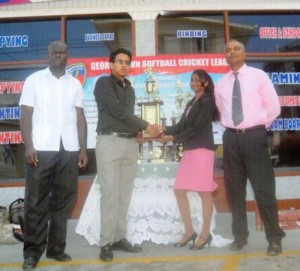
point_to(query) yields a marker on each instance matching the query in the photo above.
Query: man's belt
(246, 130)
(124, 135)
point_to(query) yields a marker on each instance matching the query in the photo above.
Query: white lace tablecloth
(153, 214)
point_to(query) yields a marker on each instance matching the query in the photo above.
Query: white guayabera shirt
(54, 116)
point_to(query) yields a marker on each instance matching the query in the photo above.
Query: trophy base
(145, 135)
(157, 161)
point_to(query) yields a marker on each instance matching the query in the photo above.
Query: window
(285, 130)
(24, 41)
(12, 162)
(267, 32)
(190, 33)
(97, 37)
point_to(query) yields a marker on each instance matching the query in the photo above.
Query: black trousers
(50, 190)
(246, 156)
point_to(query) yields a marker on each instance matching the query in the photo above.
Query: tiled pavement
(166, 258)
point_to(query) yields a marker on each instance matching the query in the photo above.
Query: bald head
(57, 57)
(56, 44)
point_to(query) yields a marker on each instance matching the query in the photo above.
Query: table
(153, 214)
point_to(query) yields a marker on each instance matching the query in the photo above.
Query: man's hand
(83, 159)
(140, 139)
(31, 156)
(153, 130)
(161, 128)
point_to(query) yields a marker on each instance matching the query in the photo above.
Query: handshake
(157, 134)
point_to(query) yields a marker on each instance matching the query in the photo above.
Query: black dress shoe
(207, 241)
(106, 253)
(184, 243)
(63, 257)
(124, 245)
(29, 263)
(274, 248)
(238, 244)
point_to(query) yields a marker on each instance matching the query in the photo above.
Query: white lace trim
(153, 214)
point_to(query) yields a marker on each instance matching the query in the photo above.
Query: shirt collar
(120, 82)
(50, 73)
(241, 70)
(203, 96)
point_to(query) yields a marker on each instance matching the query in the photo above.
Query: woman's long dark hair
(210, 90)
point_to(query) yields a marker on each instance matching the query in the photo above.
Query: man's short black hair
(114, 53)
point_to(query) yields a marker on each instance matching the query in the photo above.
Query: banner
(170, 78)
(169, 75)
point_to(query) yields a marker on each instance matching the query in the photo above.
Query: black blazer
(195, 130)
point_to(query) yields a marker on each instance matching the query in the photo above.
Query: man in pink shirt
(245, 145)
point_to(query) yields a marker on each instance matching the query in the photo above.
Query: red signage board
(16, 2)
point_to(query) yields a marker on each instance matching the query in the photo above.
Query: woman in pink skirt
(195, 171)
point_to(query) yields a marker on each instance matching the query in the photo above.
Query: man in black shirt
(116, 151)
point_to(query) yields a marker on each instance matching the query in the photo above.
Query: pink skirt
(195, 171)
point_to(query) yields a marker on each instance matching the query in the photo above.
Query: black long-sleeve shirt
(116, 103)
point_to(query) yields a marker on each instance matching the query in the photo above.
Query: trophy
(179, 152)
(150, 151)
(174, 145)
(181, 99)
(141, 154)
(164, 146)
(180, 95)
(150, 110)
(158, 153)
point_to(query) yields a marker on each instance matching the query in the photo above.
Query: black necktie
(237, 110)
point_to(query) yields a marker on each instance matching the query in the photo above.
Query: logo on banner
(78, 70)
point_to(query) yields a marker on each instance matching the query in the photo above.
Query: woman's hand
(164, 138)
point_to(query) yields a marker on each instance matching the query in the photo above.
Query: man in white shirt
(54, 131)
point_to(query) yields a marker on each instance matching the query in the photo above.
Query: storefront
(168, 44)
